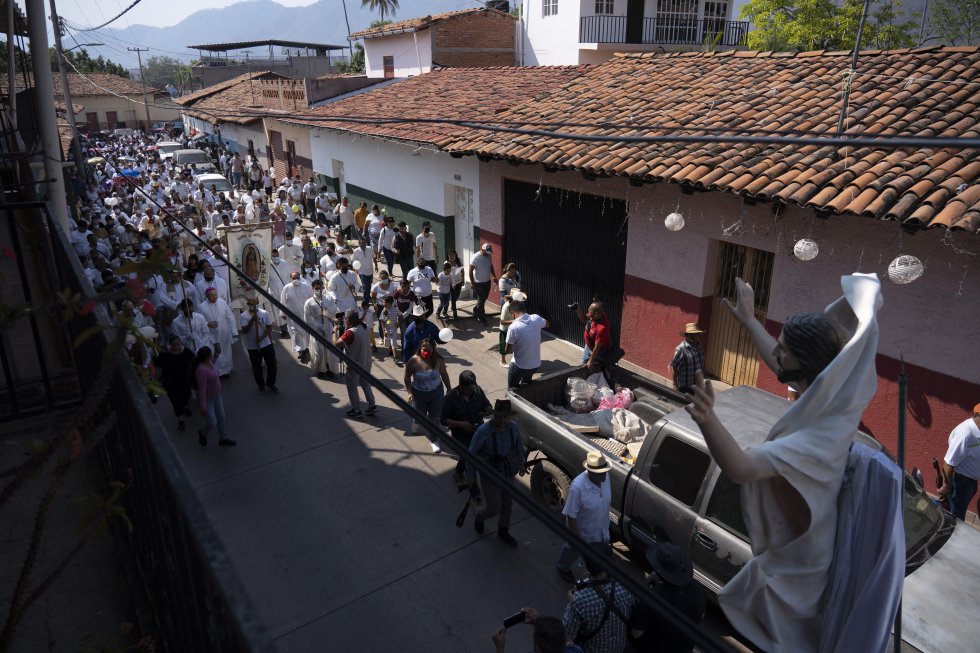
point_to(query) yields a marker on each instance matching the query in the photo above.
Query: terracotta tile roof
(420, 23)
(88, 84)
(448, 93)
(923, 92)
(222, 102)
(65, 135)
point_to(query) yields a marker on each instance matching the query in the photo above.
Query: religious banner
(249, 248)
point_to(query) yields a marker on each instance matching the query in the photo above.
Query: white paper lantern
(112, 201)
(356, 266)
(674, 222)
(806, 249)
(446, 335)
(905, 269)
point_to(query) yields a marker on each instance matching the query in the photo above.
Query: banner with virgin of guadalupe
(249, 248)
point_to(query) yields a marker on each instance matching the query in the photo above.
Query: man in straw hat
(823, 512)
(499, 443)
(586, 510)
(688, 358)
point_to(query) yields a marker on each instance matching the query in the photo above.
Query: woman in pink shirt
(208, 386)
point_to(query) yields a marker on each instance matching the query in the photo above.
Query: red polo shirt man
(597, 334)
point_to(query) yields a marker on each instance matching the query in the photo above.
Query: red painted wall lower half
(654, 315)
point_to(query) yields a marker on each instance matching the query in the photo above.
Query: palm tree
(381, 6)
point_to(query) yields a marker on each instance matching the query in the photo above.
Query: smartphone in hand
(514, 619)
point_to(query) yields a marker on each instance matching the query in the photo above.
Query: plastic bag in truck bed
(578, 394)
(620, 424)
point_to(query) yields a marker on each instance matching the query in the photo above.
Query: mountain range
(252, 20)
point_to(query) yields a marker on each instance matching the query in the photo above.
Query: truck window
(679, 469)
(725, 507)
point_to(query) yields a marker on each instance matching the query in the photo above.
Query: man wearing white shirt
(961, 465)
(344, 215)
(386, 240)
(421, 278)
(291, 255)
(524, 342)
(328, 262)
(343, 285)
(365, 257)
(309, 199)
(294, 296)
(323, 208)
(372, 229)
(209, 279)
(425, 246)
(320, 312)
(190, 327)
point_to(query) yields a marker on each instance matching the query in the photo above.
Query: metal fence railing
(198, 600)
(663, 31)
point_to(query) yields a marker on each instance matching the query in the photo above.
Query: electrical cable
(79, 28)
(641, 591)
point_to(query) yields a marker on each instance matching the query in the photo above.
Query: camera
(573, 306)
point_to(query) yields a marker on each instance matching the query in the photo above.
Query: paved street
(343, 530)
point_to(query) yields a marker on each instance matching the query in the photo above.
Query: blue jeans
(454, 296)
(389, 259)
(429, 403)
(236, 179)
(366, 280)
(443, 304)
(586, 354)
(517, 376)
(964, 489)
(216, 417)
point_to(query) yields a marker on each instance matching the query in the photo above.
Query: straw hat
(691, 328)
(595, 462)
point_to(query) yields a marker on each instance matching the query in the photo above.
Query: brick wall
(479, 39)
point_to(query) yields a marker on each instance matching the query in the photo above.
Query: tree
(355, 65)
(381, 6)
(957, 21)
(800, 25)
(81, 61)
(158, 71)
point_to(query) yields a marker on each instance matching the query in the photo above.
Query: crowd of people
(334, 267)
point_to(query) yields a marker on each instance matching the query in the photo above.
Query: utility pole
(139, 58)
(47, 123)
(76, 146)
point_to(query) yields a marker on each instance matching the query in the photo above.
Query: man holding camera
(256, 325)
(597, 336)
(499, 443)
(463, 411)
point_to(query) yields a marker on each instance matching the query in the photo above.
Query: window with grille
(550, 8)
(604, 6)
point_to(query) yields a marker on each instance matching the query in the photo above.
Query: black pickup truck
(667, 488)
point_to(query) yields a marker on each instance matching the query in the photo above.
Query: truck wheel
(549, 485)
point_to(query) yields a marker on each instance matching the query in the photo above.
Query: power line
(122, 13)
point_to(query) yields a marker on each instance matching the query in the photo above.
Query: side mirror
(917, 476)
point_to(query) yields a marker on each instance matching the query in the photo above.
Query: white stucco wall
(551, 40)
(411, 57)
(913, 316)
(238, 137)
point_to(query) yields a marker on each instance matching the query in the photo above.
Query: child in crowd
(391, 318)
(445, 288)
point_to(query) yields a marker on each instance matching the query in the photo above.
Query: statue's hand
(702, 406)
(743, 311)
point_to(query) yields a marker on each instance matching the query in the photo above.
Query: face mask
(789, 376)
(425, 354)
(276, 259)
(295, 282)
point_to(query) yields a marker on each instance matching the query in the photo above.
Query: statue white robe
(294, 296)
(778, 599)
(222, 333)
(320, 314)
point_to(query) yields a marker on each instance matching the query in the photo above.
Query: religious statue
(798, 593)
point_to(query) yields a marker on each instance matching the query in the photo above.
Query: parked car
(122, 131)
(198, 158)
(667, 488)
(221, 184)
(167, 149)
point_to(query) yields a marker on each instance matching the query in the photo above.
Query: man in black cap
(463, 410)
(499, 443)
(673, 580)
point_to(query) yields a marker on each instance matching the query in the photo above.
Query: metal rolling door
(568, 247)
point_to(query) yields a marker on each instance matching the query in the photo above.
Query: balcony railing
(663, 31)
